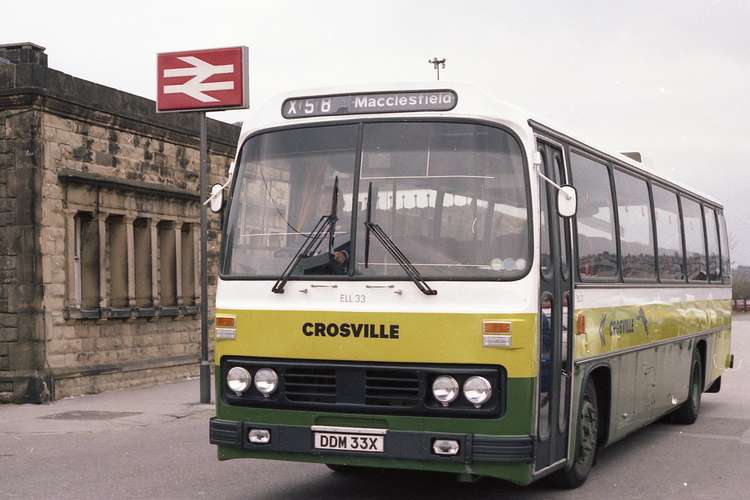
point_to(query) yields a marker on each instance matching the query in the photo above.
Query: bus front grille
(310, 384)
(399, 388)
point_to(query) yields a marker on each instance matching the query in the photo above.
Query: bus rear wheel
(687, 413)
(587, 437)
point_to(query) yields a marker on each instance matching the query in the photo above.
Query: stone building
(99, 233)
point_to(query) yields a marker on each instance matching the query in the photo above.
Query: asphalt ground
(153, 443)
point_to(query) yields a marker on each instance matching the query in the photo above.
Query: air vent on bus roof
(634, 155)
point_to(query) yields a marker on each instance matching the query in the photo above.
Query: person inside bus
(340, 254)
(313, 179)
(337, 261)
(341, 257)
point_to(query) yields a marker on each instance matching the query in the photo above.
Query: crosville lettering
(621, 326)
(351, 330)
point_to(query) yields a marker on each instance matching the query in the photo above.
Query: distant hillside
(742, 272)
(741, 282)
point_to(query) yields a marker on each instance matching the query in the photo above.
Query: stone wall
(20, 290)
(89, 172)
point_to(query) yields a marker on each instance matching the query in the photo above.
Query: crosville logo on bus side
(620, 326)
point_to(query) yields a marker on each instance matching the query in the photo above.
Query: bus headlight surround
(445, 389)
(238, 379)
(266, 381)
(477, 390)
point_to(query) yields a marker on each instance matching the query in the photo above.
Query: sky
(668, 78)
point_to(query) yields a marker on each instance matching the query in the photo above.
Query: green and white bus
(422, 277)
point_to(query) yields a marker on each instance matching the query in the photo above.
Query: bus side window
(668, 234)
(695, 244)
(597, 250)
(545, 253)
(726, 269)
(559, 172)
(636, 234)
(546, 364)
(712, 235)
(565, 376)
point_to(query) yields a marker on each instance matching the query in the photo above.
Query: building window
(86, 257)
(118, 262)
(142, 260)
(167, 264)
(188, 264)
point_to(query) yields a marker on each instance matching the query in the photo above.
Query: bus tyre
(587, 437)
(687, 413)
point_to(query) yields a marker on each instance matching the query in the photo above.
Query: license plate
(349, 442)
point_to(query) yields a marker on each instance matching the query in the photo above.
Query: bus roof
(472, 103)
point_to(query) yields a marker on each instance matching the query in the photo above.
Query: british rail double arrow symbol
(201, 71)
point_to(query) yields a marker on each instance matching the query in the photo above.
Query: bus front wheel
(688, 412)
(587, 437)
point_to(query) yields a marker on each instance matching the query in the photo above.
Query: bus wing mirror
(216, 199)
(567, 198)
(567, 201)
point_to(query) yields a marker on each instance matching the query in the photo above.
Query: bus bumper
(506, 457)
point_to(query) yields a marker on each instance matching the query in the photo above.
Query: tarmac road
(153, 443)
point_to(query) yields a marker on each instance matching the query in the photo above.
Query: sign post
(205, 367)
(203, 80)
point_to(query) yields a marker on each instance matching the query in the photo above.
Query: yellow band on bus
(381, 337)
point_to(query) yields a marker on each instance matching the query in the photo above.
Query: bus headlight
(266, 381)
(238, 379)
(477, 390)
(445, 389)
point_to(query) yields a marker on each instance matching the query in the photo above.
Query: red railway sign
(202, 80)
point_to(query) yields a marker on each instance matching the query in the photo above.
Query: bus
(423, 277)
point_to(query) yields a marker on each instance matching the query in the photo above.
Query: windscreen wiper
(313, 240)
(393, 249)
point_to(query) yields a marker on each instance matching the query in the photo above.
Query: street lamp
(437, 64)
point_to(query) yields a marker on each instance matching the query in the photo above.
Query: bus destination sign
(380, 102)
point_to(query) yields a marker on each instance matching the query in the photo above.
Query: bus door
(554, 380)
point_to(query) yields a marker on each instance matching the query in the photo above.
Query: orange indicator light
(496, 327)
(225, 321)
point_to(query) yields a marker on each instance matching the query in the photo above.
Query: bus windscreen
(452, 196)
